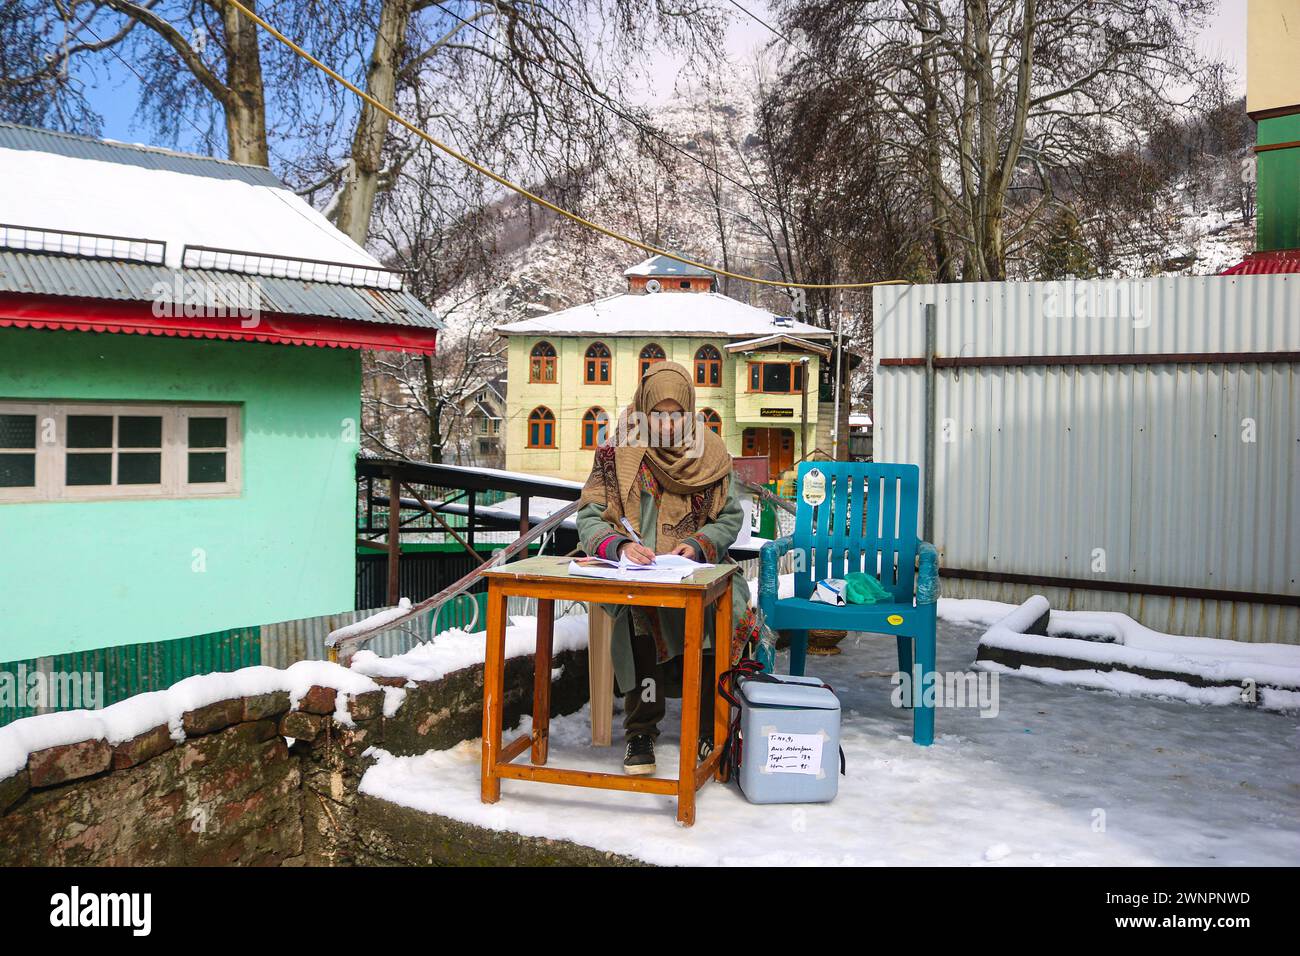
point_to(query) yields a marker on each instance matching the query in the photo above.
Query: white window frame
(51, 456)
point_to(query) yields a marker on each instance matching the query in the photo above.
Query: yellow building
(759, 378)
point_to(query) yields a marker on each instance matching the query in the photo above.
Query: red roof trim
(1280, 262)
(136, 318)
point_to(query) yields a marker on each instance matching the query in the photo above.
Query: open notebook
(665, 568)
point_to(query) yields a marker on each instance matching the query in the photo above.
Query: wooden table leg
(692, 662)
(542, 679)
(493, 690)
(722, 629)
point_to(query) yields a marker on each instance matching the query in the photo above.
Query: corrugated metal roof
(41, 274)
(13, 136)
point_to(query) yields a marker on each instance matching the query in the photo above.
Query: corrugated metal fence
(1121, 445)
(137, 668)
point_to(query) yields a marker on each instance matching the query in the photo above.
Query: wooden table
(547, 579)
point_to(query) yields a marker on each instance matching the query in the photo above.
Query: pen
(632, 531)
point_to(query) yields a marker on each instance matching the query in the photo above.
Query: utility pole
(839, 373)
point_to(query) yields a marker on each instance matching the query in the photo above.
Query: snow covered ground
(1061, 776)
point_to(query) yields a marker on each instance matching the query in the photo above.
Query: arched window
(649, 355)
(708, 367)
(541, 366)
(712, 421)
(596, 366)
(541, 428)
(594, 424)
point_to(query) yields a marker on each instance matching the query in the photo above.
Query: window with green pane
(114, 450)
(17, 451)
(208, 446)
(139, 449)
(90, 450)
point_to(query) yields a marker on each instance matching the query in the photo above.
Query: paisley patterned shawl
(693, 473)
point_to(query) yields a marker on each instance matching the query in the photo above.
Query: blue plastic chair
(867, 522)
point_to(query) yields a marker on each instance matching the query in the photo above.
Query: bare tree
(981, 102)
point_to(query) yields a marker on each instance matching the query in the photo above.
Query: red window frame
(594, 423)
(796, 378)
(652, 353)
(596, 364)
(708, 367)
(541, 428)
(541, 364)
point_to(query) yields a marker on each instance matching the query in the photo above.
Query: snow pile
(1129, 646)
(455, 649)
(129, 718)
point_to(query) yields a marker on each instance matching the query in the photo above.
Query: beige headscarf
(693, 474)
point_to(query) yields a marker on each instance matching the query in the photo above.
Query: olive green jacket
(716, 537)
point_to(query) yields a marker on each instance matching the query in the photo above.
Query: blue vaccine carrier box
(790, 740)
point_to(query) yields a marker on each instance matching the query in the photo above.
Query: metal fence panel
(1172, 473)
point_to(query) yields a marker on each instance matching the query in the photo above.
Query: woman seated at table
(670, 477)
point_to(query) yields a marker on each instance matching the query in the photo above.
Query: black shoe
(705, 748)
(640, 755)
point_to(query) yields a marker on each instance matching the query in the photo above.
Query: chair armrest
(927, 577)
(769, 562)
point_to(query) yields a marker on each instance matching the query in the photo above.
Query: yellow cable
(533, 197)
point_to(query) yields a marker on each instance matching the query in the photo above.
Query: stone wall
(235, 792)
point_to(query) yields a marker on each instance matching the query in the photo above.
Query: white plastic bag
(830, 591)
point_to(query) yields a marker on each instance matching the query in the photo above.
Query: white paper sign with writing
(794, 753)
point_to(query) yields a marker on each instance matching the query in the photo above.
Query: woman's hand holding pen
(636, 553)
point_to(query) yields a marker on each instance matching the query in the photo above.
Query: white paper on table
(666, 568)
(794, 753)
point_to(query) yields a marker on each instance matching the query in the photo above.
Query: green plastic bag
(863, 588)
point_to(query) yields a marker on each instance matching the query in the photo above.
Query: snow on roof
(859, 420)
(663, 266)
(779, 338)
(83, 185)
(666, 313)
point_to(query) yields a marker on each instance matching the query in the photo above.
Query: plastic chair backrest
(867, 522)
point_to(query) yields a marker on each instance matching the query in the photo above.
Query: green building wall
(75, 576)
(1277, 184)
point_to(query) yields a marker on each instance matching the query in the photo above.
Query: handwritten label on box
(794, 753)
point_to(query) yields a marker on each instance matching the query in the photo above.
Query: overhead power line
(603, 102)
(528, 194)
(757, 19)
